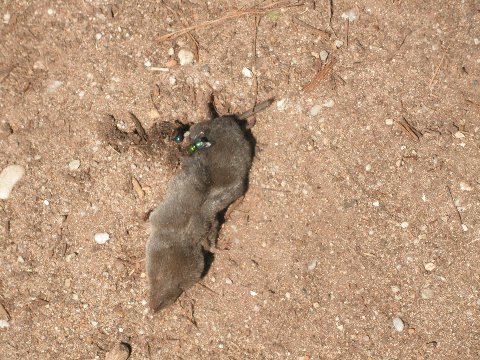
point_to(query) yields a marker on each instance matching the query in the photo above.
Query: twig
(436, 71)
(410, 130)
(472, 103)
(348, 29)
(330, 5)
(322, 74)
(138, 125)
(257, 108)
(255, 34)
(229, 16)
(324, 35)
(195, 46)
(455, 206)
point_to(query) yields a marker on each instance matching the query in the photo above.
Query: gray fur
(185, 225)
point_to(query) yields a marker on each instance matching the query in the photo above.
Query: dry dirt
(351, 219)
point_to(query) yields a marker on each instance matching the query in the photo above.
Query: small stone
(459, 135)
(395, 289)
(8, 178)
(316, 305)
(4, 324)
(98, 36)
(376, 203)
(368, 167)
(20, 259)
(172, 80)
(323, 55)
(426, 293)
(171, 63)
(171, 52)
(147, 63)
(312, 265)
(329, 103)
(389, 122)
(228, 281)
(50, 11)
(465, 187)
(119, 352)
(338, 44)
(53, 86)
(404, 225)
(74, 165)
(288, 295)
(398, 324)
(350, 15)
(101, 238)
(253, 293)
(476, 41)
(315, 110)
(185, 57)
(6, 18)
(281, 104)
(246, 72)
(429, 266)
(46, 202)
(464, 227)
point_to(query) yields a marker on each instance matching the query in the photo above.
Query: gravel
(312, 265)
(185, 57)
(315, 110)
(246, 72)
(8, 178)
(101, 238)
(74, 165)
(398, 324)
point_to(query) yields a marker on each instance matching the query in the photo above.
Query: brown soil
(366, 212)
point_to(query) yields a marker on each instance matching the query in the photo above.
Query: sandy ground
(363, 205)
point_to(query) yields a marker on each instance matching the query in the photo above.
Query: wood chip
(138, 188)
(414, 134)
(321, 75)
(138, 126)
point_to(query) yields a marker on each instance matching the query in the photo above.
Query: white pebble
(458, 135)
(368, 167)
(312, 265)
(253, 293)
(476, 41)
(46, 202)
(426, 293)
(98, 36)
(464, 227)
(398, 324)
(404, 225)
(395, 289)
(281, 104)
(4, 324)
(6, 18)
(429, 266)
(465, 187)
(185, 57)
(228, 281)
(350, 15)
(315, 110)
(323, 55)
(53, 86)
(147, 63)
(288, 296)
(171, 51)
(8, 178)
(20, 259)
(338, 44)
(329, 103)
(389, 122)
(172, 80)
(50, 12)
(74, 164)
(101, 238)
(376, 203)
(246, 72)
